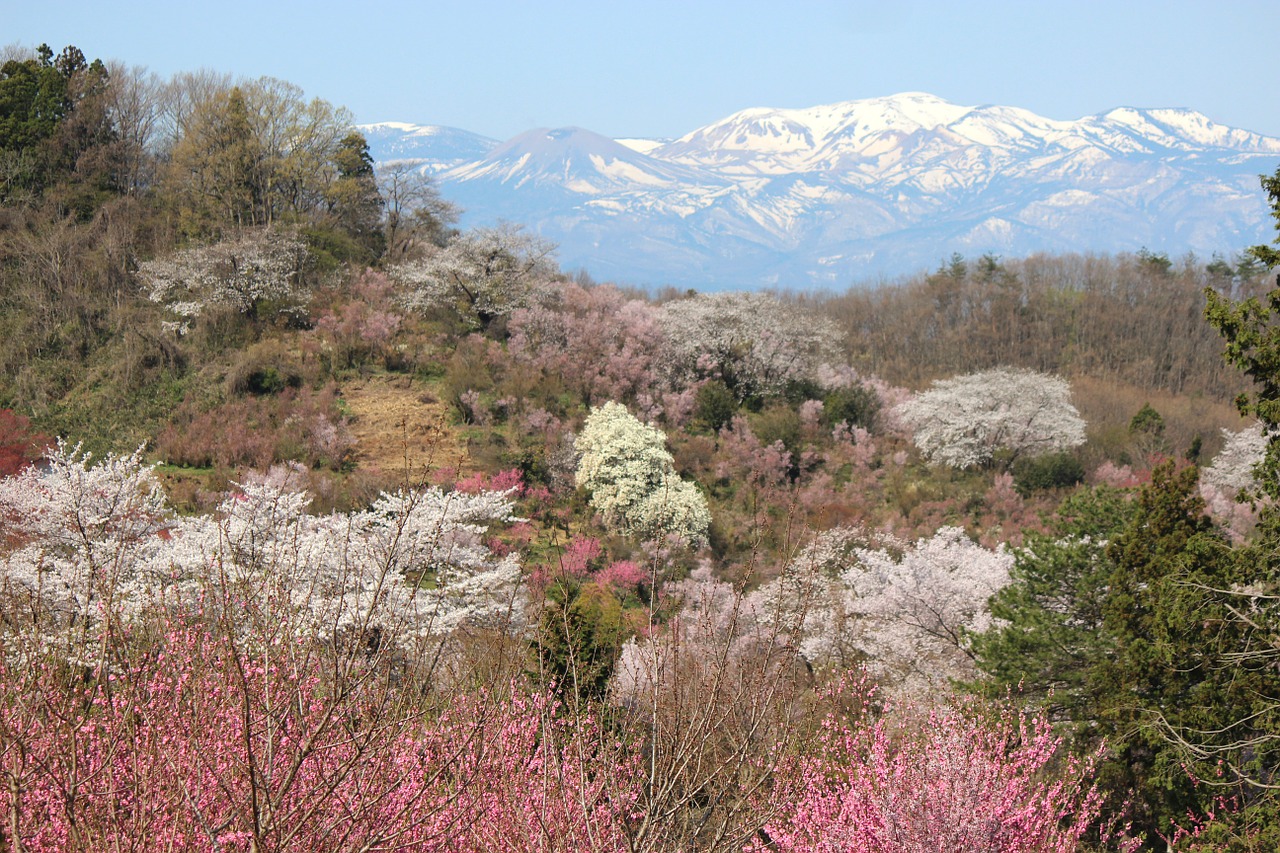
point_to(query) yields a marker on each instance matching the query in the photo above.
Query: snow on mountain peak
(821, 195)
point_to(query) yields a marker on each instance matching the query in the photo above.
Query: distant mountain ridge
(829, 195)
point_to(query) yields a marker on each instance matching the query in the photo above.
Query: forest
(328, 525)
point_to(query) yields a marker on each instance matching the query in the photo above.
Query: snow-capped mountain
(826, 196)
(434, 147)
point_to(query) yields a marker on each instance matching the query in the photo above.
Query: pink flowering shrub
(197, 744)
(510, 480)
(624, 576)
(356, 331)
(947, 781)
(598, 342)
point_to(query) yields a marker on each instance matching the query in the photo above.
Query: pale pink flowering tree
(755, 342)
(88, 544)
(482, 275)
(98, 543)
(255, 680)
(1231, 475)
(601, 343)
(1233, 469)
(906, 608)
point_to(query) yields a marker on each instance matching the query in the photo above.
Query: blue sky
(663, 67)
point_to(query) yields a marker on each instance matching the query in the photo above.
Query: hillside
(327, 524)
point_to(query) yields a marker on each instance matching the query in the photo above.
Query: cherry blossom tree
(906, 608)
(599, 342)
(633, 484)
(754, 342)
(993, 418)
(1234, 468)
(482, 274)
(98, 542)
(1233, 474)
(243, 273)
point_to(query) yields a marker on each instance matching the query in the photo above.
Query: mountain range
(832, 196)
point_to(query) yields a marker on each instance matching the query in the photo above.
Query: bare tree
(415, 212)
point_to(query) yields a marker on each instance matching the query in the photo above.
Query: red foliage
(19, 446)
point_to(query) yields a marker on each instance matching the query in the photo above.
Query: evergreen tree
(1118, 625)
(355, 204)
(55, 127)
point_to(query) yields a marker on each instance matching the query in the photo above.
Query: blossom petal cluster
(1234, 468)
(908, 608)
(240, 273)
(755, 342)
(483, 274)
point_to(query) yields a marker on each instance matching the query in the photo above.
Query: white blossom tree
(86, 542)
(97, 541)
(482, 274)
(995, 416)
(633, 484)
(755, 342)
(907, 609)
(242, 273)
(1234, 468)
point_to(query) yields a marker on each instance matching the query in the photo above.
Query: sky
(663, 68)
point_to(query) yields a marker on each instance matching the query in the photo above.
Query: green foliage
(857, 405)
(1252, 336)
(778, 422)
(1050, 629)
(1147, 421)
(1232, 618)
(1116, 623)
(715, 406)
(52, 115)
(355, 205)
(1051, 471)
(580, 635)
(1155, 263)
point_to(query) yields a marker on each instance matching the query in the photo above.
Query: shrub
(1053, 471)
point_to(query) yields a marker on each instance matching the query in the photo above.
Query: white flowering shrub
(483, 274)
(755, 342)
(97, 541)
(968, 420)
(242, 273)
(633, 484)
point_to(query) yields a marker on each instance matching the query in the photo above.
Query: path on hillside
(398, 426)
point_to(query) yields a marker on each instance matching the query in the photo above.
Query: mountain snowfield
(830, 196)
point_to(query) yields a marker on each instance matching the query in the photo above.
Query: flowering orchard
(264, 679)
